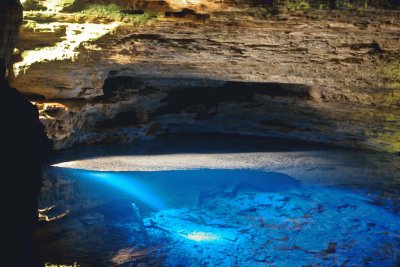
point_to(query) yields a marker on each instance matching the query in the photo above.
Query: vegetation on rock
(294, 5)
(33, 5)
(113, 12)
(391, 73)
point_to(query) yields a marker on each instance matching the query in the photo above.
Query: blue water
(239, 218)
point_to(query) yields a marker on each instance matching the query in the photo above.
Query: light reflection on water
(239, 218)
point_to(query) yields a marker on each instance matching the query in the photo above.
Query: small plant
(322, 6)
(113, 12)
(296, 5)
(33, 5)
(110, 11)
(346, 4)
(360, 4)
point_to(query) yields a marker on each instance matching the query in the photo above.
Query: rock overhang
(347, 85)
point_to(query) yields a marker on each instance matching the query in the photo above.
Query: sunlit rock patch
(75, 36)
(346, 58)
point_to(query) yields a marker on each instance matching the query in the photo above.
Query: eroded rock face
(325, 76)
(10, 21)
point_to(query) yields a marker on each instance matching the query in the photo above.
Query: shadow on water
(176, 143)
(303, 161)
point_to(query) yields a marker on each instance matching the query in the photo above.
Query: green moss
(113, 12)
(388, 138)
(110, 11)
(388, 97)
(346, 4)
(33, 5)
(389, 75)
(361, 4)
(296, 5)
(390, 71)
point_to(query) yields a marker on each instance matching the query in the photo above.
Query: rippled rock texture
(328, 76)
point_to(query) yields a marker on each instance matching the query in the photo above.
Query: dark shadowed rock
(186, 13)
(10, 21)
(24, 147)
(133, 12)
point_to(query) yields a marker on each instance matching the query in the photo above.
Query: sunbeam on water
(202, 236)
(128, 184)
(242, 218)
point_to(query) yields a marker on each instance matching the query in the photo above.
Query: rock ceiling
(102, 72)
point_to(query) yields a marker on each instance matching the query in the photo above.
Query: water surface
(328, 207)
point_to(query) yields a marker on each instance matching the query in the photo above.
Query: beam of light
(202, 236)
(129, 185)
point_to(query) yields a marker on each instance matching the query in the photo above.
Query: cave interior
(200, 132)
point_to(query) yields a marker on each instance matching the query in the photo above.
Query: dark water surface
(301, 214)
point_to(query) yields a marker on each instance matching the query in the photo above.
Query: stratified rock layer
(325, 76)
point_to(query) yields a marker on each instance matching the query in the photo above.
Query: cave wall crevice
(328, 76)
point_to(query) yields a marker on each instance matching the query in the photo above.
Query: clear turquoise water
(241, 218)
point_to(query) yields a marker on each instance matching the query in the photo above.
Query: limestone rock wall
(10, 21)
(320, 75)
